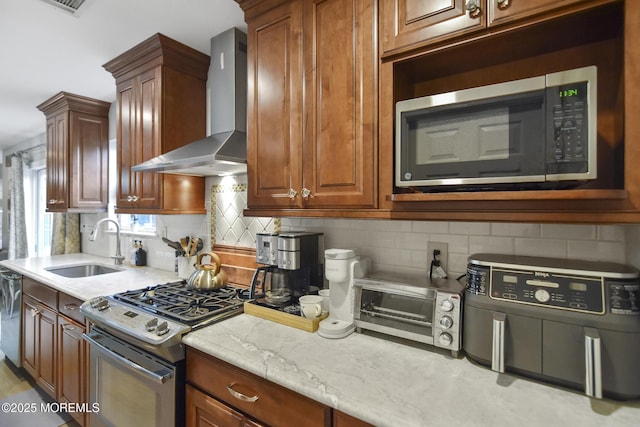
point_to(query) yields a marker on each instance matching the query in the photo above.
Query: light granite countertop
(392, 384)
(130, 277)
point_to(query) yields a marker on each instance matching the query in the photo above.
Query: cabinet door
(501, 11)
(148, 142)
(39, 343)
(89, 154)
(139, 112)
(274, 110)
(46, 349)
(407, 24)
(57, 162)
(341, 107)
(203, 410)
(126, 143)
(29, 335)
(72, 373)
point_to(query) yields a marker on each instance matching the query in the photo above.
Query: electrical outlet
(86, 228)
(444, 254)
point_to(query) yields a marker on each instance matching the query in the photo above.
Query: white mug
(311, 306)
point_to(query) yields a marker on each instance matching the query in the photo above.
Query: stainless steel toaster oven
(410, 307)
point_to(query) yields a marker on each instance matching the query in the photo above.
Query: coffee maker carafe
(291, 267)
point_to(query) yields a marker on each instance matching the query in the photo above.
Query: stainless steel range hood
(224, 152)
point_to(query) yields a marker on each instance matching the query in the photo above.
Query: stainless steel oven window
(132, 388)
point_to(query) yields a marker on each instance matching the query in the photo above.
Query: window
(137, 223)
(38, 221)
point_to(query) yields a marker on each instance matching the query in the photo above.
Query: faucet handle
(117, 260)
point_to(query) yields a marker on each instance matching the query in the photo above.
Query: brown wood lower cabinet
(72, 365)
(220, 394)
(39, 343)
(53, 351)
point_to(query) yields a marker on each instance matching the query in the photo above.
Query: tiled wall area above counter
(394, 245)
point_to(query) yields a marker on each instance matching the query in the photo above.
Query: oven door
(130, 387)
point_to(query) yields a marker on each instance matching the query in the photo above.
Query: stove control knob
(151, 324)
(162, 328)
(446, 305)
(100, 303)
(446, 322)
(445, 339)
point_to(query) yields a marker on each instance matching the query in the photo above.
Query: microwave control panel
(568, 131)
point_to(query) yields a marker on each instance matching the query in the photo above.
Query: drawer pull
(70, 306)
(240, 396)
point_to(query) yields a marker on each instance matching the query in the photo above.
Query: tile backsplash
(402, 245)
(230, 226)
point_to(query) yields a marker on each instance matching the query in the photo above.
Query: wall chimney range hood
(224, 151)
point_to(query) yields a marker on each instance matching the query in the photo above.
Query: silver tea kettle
(208, 276)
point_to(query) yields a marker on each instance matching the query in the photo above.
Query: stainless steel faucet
(117, 258)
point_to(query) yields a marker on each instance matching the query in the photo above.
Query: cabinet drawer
(70, 307)
(271, 403)
(42, 293)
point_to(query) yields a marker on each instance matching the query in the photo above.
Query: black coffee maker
(292, 267)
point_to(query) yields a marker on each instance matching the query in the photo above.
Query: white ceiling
(44, 50)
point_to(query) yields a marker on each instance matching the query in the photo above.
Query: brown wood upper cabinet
(161, 86)
(312, 113)
(77, 153)
(410, 24)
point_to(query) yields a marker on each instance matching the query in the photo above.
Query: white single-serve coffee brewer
(341, 266)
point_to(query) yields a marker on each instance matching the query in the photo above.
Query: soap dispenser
(141, 255)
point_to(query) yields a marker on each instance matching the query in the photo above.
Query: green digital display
(565, 93)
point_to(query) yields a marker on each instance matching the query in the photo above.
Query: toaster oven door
(395, 314)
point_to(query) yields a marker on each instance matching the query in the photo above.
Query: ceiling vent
(70, 6)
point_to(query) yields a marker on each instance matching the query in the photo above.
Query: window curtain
(17, 225)
(65, 234)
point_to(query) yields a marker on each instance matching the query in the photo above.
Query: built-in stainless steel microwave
(530, 131)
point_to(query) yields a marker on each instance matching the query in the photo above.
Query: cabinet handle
(129, 199)
(68, 327)
(52, 201)
(473, 7)
(292, 193)
(34, 312)
(306, 193)
(70, 306)
(135, 198)
(503, 4)
(240, 396)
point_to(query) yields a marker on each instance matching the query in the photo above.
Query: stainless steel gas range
(136, 351)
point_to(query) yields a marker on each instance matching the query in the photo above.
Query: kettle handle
(215, 261)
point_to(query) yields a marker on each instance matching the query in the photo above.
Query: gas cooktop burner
(176, 301)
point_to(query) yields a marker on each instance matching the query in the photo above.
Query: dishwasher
(10, 322)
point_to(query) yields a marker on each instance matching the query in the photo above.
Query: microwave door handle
(497, 345)
(593, 363)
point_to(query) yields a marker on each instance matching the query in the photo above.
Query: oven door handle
(161, 379)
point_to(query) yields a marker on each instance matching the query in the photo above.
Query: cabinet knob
(473, 7)
(306, 193)
(292, 193)
(503, 4)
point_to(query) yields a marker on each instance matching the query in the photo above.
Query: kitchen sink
(82, 270)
